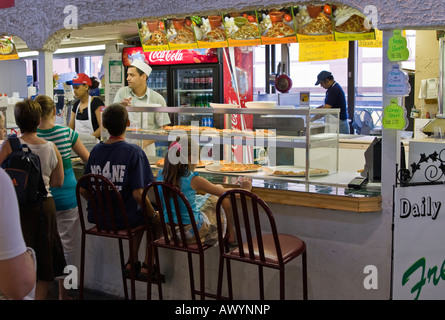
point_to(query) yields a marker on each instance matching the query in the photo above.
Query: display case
(281, 145)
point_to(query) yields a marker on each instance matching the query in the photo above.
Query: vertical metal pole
(272, 62)
(352, 81)
(441, 74)
(390, 153)
(267, 62)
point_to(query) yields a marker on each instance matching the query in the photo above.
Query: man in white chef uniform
(138, 94)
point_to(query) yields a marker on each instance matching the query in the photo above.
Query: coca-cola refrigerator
(186, 78)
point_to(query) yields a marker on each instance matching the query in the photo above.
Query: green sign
(394, 116)
(397, 47)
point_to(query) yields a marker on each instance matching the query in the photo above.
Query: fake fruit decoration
(313, 11)
(327, 9)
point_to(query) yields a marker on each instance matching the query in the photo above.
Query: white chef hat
(141, 65)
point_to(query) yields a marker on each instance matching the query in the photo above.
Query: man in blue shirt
(335, 98)
(127, 166)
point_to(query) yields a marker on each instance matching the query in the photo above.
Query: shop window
(65, 68)
(303, 74)
(368, 91)
(92, 66)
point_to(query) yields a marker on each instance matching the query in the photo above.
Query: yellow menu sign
(8, 51)
(377, 43)
(318, 51)
(153, 35)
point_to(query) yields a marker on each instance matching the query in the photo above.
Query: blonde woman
(67, 214)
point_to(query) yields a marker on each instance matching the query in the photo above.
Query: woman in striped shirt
(65, 140)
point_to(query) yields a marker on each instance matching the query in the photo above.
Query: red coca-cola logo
(165, 56)
(168, 57)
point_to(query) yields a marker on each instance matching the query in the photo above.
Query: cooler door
(195, 87)
(158, 81)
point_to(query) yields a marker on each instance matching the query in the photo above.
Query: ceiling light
(26, 54)
(80, 49)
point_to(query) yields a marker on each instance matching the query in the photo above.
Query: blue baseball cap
(321, 76)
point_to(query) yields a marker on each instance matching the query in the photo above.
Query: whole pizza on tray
(200, 164)
(316, 171)
(237, 167)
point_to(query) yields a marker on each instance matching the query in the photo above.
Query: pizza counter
(326, 192)
(343, 228)
(340, 243)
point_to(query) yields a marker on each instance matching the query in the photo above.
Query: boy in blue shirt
(127, 166)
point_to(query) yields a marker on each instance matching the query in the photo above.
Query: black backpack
(26, 174)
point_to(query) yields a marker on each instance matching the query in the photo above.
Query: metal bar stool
(107, 208)
(174, 235)
(272, 250)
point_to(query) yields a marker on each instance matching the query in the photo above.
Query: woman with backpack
(67, 214)
(38, 221)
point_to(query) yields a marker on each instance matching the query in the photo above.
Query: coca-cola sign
(170, 57)
(161, 57)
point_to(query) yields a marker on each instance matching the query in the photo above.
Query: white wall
(13, 77)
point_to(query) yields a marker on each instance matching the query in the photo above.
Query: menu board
(153, 35)
(318, 51)
(277, 26)
(8, 50)
(242, 29)
(314, 23)
(377, 43)
(209, 31)
(180, 34)
(305, 23)
(351, 24)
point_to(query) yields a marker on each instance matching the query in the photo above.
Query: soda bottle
(198, 101)
(196, 86)
(185, 83)
(210, 81)
(192, 80)
(197, 79)
(158, 80)
(202, 80)
(188, 100)
(162, 80)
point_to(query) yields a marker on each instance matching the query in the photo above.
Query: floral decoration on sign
(56, 79)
